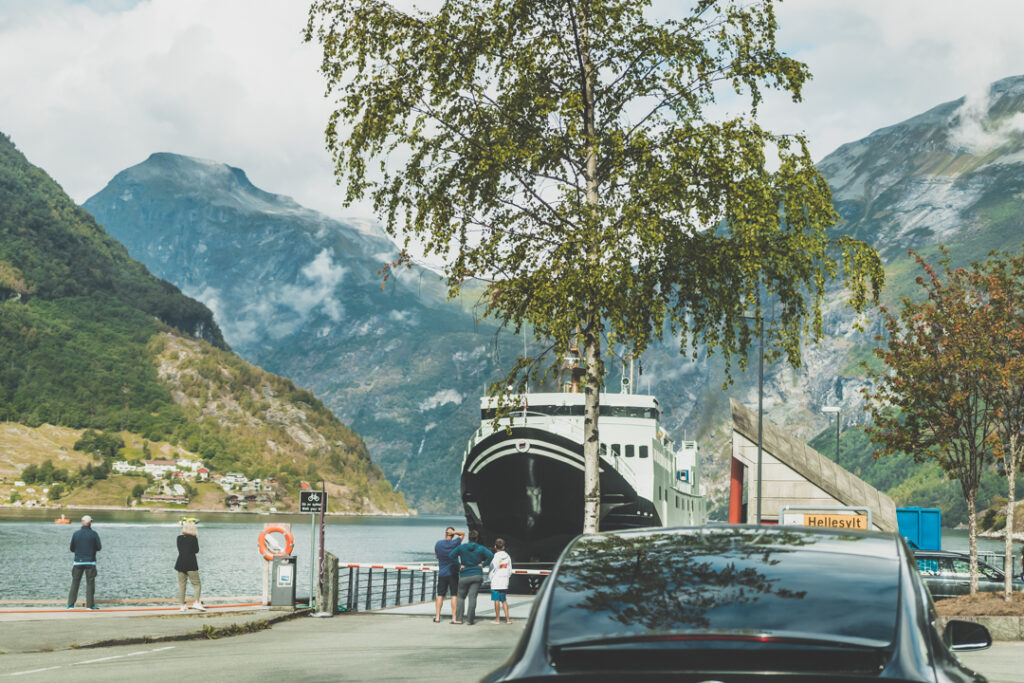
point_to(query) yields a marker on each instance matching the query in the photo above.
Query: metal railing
(996, 559)
(365, 587)
(377, 586)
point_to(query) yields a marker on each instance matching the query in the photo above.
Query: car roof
(782, 580)
(869, 543)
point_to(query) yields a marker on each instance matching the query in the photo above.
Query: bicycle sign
(312, 501)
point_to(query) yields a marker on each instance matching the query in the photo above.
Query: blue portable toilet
(922, 527)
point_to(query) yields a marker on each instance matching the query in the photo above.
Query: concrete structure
(794, 474)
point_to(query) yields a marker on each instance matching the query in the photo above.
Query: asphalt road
(355, 647)
(400, 645)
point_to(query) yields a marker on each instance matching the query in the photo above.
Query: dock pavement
(396, 644)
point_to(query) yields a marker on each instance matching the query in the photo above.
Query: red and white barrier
(433, 568)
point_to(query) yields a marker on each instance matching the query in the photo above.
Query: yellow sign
(859, 522)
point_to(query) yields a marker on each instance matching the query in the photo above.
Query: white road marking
(91, 661)
(130, 654)
(32, 671)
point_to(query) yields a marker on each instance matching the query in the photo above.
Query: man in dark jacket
(471, 558)
(84, 545)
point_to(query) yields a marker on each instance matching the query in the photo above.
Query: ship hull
(526, 487)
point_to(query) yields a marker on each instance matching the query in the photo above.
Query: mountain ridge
(914, 184)
(302, 294)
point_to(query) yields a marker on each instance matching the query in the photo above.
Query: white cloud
(878, 62)
(441, 398)
(90, 87)
(87, 92)
(324, 275)
(399, 316)
(978, 134)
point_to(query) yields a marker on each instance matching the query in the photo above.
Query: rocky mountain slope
(300, 293)
(90, 339)
(953, 175)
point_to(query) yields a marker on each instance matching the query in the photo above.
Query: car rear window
(728, 581)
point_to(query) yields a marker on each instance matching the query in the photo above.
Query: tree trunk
(972, 535)
(592, 330)
(1011, 475)
(591, 443)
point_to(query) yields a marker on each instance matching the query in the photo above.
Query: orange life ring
(289, 542)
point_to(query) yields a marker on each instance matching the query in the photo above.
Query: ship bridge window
(577, 411)
(629, 450)
(629, 411)
(643, 451)
(616, 450)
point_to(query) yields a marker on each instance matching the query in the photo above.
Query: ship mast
(574, 368)
(627, 376)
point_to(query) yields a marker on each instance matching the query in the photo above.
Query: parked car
(738, 603)
(948, 574)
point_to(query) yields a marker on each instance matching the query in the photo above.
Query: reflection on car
(738, 603)
(947, 574)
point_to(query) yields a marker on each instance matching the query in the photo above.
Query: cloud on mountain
(323, 276)
(441, 398)
(976, 132)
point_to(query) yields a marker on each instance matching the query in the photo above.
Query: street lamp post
(834, 409)
(760, 408)
(760, 416)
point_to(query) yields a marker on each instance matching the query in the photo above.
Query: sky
(91, 87)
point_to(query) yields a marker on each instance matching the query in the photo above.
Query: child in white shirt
(501, 570)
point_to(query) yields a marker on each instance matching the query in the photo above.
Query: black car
(948, 574)
(738, 603)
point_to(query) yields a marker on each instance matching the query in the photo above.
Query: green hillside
(85, 333)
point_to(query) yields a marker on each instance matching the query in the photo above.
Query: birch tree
(563, 154)
(1001, 279)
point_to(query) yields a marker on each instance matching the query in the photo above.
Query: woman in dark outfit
(188, 566)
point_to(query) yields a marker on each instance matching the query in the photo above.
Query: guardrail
(996, 559)
(379, 586)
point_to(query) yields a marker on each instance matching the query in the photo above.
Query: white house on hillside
(159, 468)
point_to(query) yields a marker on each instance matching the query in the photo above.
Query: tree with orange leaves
(930, 399)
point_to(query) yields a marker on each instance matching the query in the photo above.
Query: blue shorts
(498, 596)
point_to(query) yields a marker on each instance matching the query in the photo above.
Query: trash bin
(282, 582)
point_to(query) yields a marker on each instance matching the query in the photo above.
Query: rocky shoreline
(1018, 536)
(140, 508)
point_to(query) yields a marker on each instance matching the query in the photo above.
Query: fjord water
(137, 559)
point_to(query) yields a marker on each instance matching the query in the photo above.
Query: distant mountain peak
(927, 180)
(165, 164)
(216, 182)
(990, 119)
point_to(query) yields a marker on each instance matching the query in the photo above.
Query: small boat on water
(62, 520)
(522, 479)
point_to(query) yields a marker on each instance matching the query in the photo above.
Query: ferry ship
(522, 479)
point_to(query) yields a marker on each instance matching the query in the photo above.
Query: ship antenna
(627, 376)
